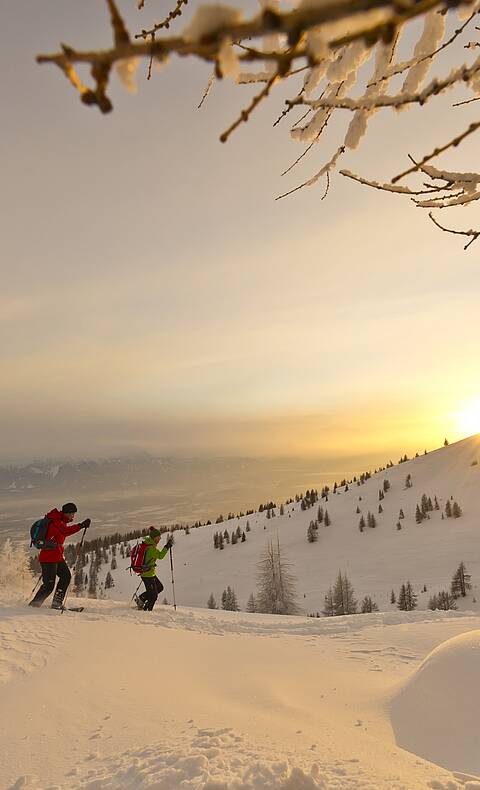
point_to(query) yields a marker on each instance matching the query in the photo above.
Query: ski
(72, 608)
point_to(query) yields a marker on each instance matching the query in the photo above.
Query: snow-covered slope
(115, 699)
(375, 560)
(112, 698)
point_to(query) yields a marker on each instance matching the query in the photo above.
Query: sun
(467, 419)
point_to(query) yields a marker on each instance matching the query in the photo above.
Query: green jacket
(152, 554)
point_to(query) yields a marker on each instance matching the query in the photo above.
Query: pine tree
(109, 581)
(276, 585)
(329, 604)
(282, 509)
(381, 495)
(312, 533)
(320, 514)
(380, 509)
(399, 526)
(446, 442)
(437, 506)
(408, 481)
(247, 527)
(93, 577)
(358, 510)
(460, 582)
(401, 599)
(418, 515)
(343, 598)
(15, 570)
(401, 514)
(361, 524)
(244, 537)
(251, 605)
(220, 541)
(392, 597)
(446, 601)
(456, 510)
(368, 605)
(326, 519)
(211, 603)
(433, 603)
(407, 599)
(113, 564)
(448, 509)
(371, 520)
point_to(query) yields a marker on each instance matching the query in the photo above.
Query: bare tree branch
(474, 233)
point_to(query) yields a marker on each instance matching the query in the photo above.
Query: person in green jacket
(153, 585)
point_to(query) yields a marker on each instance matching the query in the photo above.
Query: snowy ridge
(376, 560)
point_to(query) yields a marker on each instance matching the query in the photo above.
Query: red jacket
(57, 531)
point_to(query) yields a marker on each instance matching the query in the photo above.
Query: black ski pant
(153, 588)
(50, 570)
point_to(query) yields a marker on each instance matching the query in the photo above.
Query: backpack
(137, 559)
(38, 534)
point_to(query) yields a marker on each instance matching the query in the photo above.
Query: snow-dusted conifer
(211, 603)
(329, 604)
(326, 519)
(343, 597)
(276, 585)
(460, 582)
(251, 604)
(446, 601)
(368, 606)
(448, 509)
(456, 510)
(15, 572)
(361, 524)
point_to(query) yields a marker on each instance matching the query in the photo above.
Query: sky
(155, 295)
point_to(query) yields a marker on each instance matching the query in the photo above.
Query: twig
(474, 233)
(207, 89)
(327, 186)
(390, 187)
(177, 11)
(311, 181)
(245, 114)
(452, 144)
(467, 101)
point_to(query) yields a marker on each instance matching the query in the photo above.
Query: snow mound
(436, 713)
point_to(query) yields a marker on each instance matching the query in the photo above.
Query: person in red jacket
(52, 560)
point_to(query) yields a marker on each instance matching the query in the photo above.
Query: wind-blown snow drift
(437, 713)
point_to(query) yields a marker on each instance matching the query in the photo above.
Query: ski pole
(77, 554)
(38, 582)
(134, 594)
(173, 580)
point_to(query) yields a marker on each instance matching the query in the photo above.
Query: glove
(85, 524)
(169, 543)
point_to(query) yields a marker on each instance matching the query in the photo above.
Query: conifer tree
(433, 602)
(343, 596)
(251, 605)
(329, 604)
(371, 520)
(460, 582)
(320, 514)
(247, 527)
(211, 603)
(358, 510)
(113, 564)
(401, 599)
(109, 581)
(361, 524)
(418, 515)
(244, 537)
(401, 514)
(380, 508)
(282, 509)
(326, 519)
(312, 533)
(446, 601)
(456, 510)
(408, 481)
(399, 526)
(393, 598)
(276, 585)
(437, 506)
(448, 509)
(368, 606)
